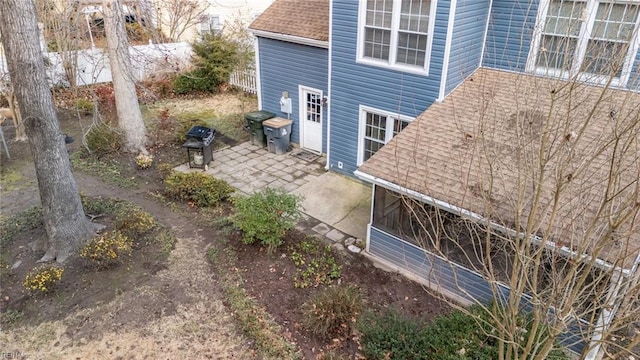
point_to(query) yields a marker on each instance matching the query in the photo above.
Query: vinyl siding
(467, 41)
(452, 279)
(511, 26)
(354, 84)
(284, 66)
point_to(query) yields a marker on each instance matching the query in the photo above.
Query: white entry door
(310, 119)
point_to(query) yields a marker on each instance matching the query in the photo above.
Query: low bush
(197, 188)
(104, 139)
(458, 335)
(107, 249)
(193, 82)
(333, 312)
(315, 264)
(84, 106)
(43, 278)
(144, 161)
(134, 222)
(265, 216)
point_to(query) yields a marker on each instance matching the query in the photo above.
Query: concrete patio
(336, 207)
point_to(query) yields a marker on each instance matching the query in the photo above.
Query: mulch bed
(269, 279)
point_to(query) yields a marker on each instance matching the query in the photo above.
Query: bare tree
(127, 106)
(63, 22)
(179, 16)
(64, 218)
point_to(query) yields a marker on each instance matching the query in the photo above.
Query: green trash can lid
(259, 116)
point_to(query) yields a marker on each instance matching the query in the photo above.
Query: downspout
(328, 164)
(256, 51)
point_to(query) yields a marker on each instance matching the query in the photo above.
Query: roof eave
(291, 38)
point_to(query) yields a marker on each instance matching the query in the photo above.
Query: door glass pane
(314, 107)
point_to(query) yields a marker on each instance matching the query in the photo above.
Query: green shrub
(103, 139)
(43, 278)
(200, 189)
(390, 336)
(134, 222)
(195, 81)
(215, 57)
(265, 216)
(333, 312)
(99, 205)
(84, 106)
(458, 335)
(107, 249)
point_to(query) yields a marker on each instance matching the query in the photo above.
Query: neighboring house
(412, 87)
(292, 66)
(218, 15)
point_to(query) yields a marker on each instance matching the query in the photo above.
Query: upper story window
(377, 127)
(594, 39)
(210, 24)
(396, 34)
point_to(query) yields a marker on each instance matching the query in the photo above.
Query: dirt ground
(164, 307)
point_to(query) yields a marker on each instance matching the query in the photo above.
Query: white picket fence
(245, 80)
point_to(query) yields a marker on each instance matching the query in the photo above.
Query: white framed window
(396, 34)
(210, 24)
(377, 127)
(594, 40)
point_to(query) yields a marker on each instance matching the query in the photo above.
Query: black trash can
(200, 141)
(254, 126)
(278, 132)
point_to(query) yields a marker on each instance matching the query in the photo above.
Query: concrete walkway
(336, 207)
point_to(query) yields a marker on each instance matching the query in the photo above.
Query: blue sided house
(499, 113)
(292, 63)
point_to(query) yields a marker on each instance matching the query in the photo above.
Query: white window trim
(207, 19)
(390, 64)
(590, 9)
(362, 115)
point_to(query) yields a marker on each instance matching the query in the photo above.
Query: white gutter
(464, 213)
(327, 166)
(291, 38)
(447, 49)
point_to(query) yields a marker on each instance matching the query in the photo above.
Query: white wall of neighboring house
(229, 12)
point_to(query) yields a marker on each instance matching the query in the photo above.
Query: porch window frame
(588, 19)
(392, 63)
(389, 129)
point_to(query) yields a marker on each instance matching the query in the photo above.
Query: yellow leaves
(107, 249)
(43, 278)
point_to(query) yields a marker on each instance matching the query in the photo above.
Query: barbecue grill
(200, 142)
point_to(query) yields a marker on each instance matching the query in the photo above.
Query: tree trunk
(127, 107)
(65, 222)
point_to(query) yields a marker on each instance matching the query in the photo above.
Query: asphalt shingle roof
(304, 18)
(479, 150)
